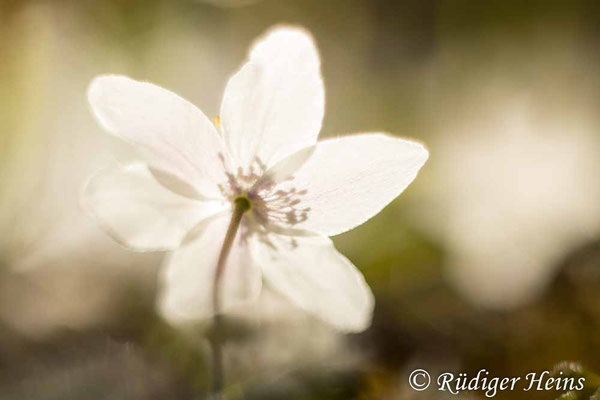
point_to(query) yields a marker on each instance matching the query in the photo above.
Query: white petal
(187, 281)
(284, 169)
(141, 213)
(171, 133)
(347, 181)
(274, 105)
(317, 278)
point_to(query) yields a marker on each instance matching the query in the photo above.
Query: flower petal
(274, 105)
(347, 181)
(317, 278)
(187, 281)
(284, 169)
(172, 134)
(139, 212)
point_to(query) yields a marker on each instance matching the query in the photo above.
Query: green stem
(241, 205)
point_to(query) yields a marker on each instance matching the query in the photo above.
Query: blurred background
(490, 259)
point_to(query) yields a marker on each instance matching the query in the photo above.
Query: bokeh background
(490, 259)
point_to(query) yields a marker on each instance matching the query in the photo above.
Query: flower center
(279, 206)
(243, 203)
(269, 204)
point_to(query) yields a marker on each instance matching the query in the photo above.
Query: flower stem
(241, 205)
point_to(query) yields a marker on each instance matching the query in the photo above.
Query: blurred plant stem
(241, 205)
(217, 358)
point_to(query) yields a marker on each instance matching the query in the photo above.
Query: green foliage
(591, 389)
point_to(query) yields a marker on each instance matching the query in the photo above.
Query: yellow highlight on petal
(217, 121)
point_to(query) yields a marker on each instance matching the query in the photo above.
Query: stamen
(269, 205)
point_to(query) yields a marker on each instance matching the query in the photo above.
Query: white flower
(264, 151)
